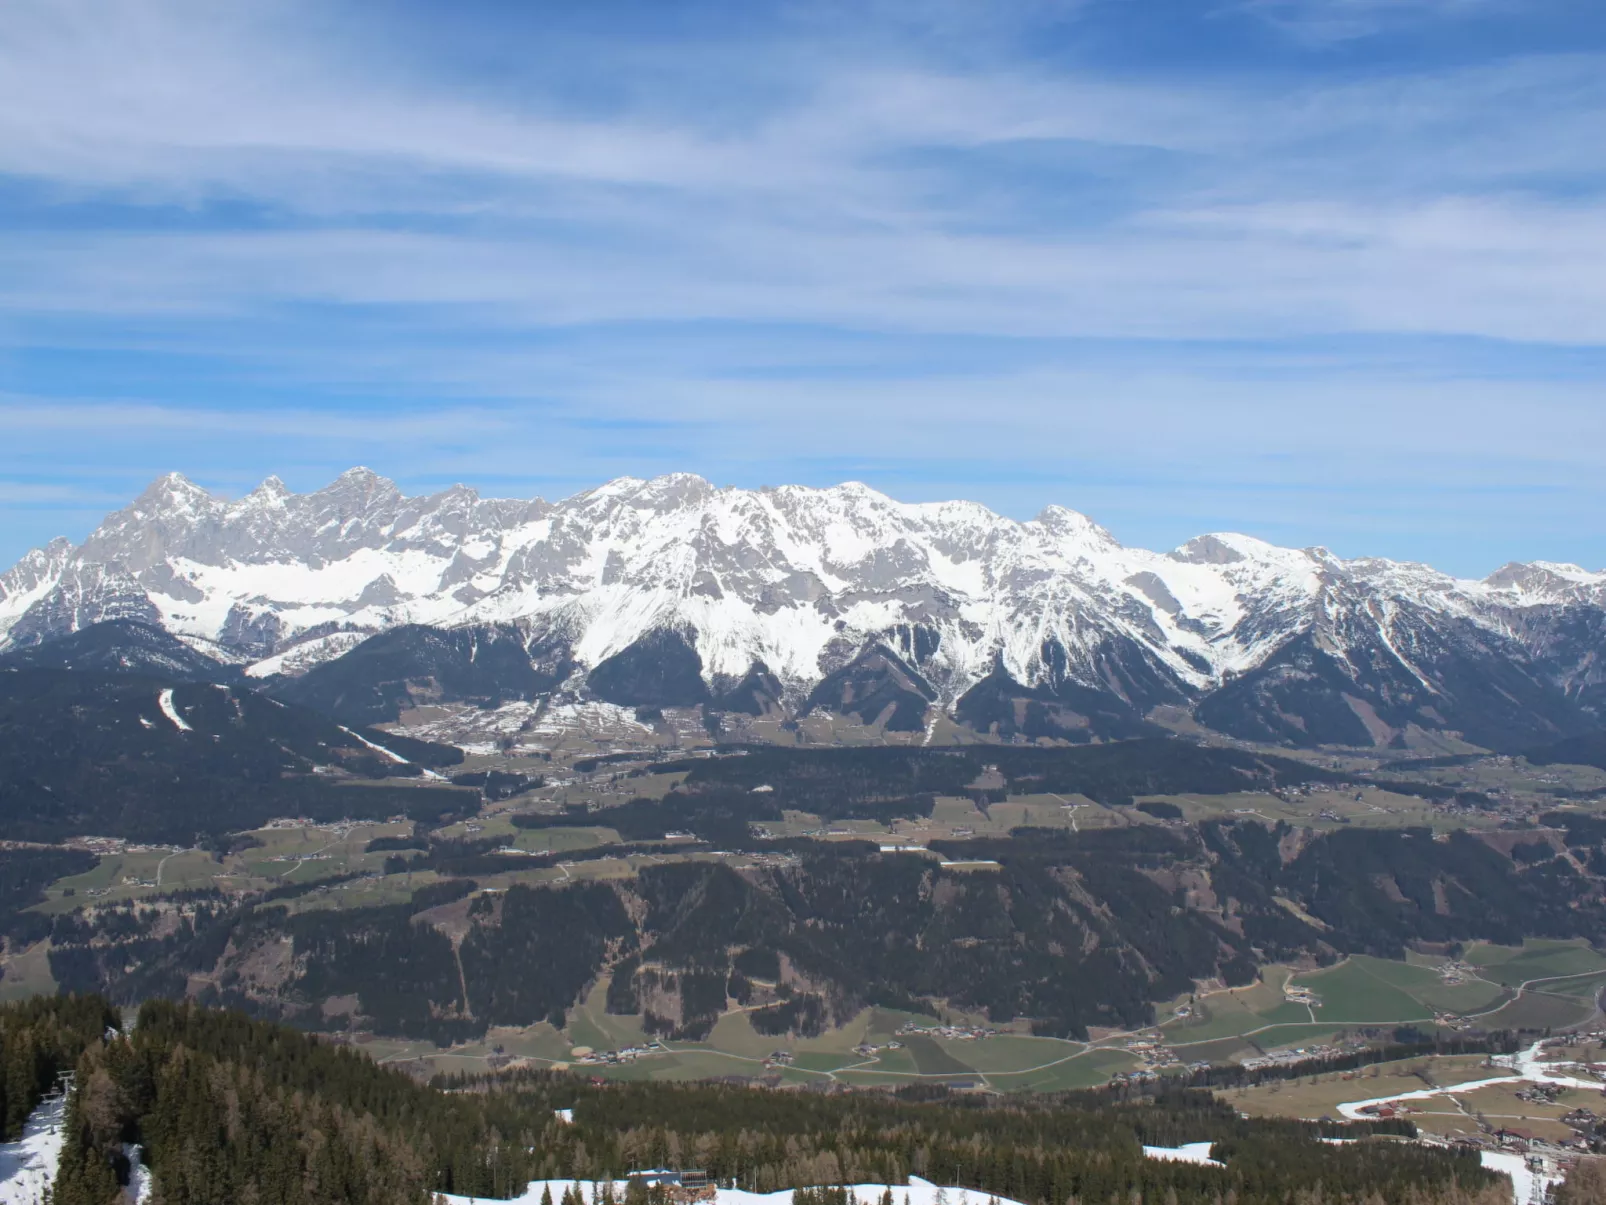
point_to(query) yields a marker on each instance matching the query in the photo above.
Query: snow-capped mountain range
(1050, 622)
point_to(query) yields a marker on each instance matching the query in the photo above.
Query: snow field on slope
(164, 700)
(1188, 1152)
(302, 657)
(28, 1166)
(915, 1192)
(614, 562)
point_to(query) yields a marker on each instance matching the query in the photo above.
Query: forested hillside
(122, 755)
(1070, 930)
(228, 1109)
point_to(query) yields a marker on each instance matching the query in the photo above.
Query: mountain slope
(412, 665)
(136, 757)
(804, 580)
(876, 687)
(121, 646)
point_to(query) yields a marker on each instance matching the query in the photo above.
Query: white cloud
(1400, 203)
(30, 493)
(1509, 268)
(315, 210)
(95, 421)
(1344, 20)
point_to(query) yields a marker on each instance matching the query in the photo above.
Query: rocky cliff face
(1072, 632)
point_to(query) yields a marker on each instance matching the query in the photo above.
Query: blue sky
(1324, 271)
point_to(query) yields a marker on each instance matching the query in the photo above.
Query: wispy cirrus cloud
(1344, 20)
(244, 233)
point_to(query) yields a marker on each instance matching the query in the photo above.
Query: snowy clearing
(395, 757)
(916, 1192)
(165, 702)
(1526, 1186)
(1188, 1152)
(28, 1166)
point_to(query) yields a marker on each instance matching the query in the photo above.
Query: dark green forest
(230, 1109)
(1070, 931)
(84, 753)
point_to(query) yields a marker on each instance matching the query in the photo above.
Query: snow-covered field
(532, 727)
(1188, 1152)
(1527, 1187)
(28, 1166)
(916, 1192)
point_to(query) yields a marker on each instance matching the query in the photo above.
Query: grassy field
(1535, 1011)
(1365, 991)
(1560, 982)
(1359, 992)
(1006, 1062)
(1513, 965)
(28, 974)
(1082, 1070)
(1224, 1025)
(277, 856)
(1312, 1097)
(1373, 808)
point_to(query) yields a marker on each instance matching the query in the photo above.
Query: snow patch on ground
(28, 1166)
(532, 726)
(140, 1184)
(395, 757)
(916, 1192)
(1527, 1187)
(1188, 1152)
(1526, 1064)
(165, 702)
(299, 658)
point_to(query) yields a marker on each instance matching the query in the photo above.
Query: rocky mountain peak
(173, 495)
(1222, 548)
(1543, 578)
(1073, 526)
(1069, 623)
(271, 492)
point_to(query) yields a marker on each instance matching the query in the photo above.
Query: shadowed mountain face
(1000, 705)
(1292, 645)
(662, 669)
(759, 693)
(137, 757)
(122, 646)
(877, 687)
(413, 665)
(1586, 750)
(1457, 680)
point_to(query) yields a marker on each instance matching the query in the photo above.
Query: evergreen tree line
(1072, 930)
(1078, 1147)
(228, 1109)
(24, 875)
(40, 1040)
(829, 782)
(231, 1109)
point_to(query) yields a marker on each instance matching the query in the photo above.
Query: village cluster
(963, 1033)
